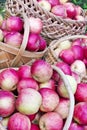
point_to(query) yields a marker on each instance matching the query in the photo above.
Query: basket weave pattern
(54, 26)
(50, 55)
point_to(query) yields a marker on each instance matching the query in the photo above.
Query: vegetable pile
(34, 97)
(28, 98)
(12, 31)
(64, 8)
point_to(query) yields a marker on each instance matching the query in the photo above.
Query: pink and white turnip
(19, 121)
(50, 99)
(41, 70)
(51, 121)
(28, 101)
(7, 103)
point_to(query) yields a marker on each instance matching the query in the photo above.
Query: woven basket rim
(54, 27)
(71, 96)
(50, 55)
(67, 19)
(52, 44)
(12, 55)
(53, 15)
(58, 17)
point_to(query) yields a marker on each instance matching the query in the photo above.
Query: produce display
(12, 32)
(35, 96)
(21, 40)
(29, 99)
(69, 54)
(63, 8)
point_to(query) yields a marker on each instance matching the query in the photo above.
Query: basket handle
(54, 43)
(24, 42)
(16, 51)
(71, 96)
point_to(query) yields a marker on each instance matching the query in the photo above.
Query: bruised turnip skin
(19, 121)
(41, 71)
(7, 103)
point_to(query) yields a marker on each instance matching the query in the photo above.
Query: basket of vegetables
(71, 51)
(19, 42)
(70, 54)
(59, 17)
(29, 98)
(43, 96)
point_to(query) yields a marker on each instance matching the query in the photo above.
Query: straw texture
(54, 27)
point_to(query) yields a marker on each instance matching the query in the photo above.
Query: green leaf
(82, 3)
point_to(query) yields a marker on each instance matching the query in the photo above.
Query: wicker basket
(50, 55)
(13, 56)
(71, 98)
(54, 27)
